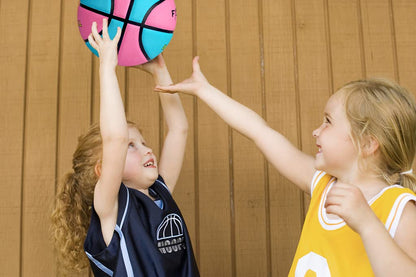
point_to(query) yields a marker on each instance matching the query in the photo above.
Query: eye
(327, 120)
(131, 144)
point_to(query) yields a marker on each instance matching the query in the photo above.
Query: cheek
(132, 160)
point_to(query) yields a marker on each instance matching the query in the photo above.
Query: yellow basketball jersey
(328, 246)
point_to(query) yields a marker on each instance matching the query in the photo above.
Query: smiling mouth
(149, 163)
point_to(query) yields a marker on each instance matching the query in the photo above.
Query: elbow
(182, 131)
(180, 127)
(120, 139)
(184, 127)
(258, 134)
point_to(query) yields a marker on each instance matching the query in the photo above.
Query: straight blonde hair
(385, 111)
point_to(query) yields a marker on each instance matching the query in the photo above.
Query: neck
(369, 184)
(142, 188)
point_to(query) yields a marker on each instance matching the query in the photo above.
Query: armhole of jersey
(163, 184)
(315, 179)
(102, 267)
(396, 212)
(126, 207)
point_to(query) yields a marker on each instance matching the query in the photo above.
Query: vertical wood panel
(378, 40)
(404, 19)
(286, 211)
(13, 20)
(214, 184)
(344, 25)
(40, 137)
(248, 163)
(404, 12)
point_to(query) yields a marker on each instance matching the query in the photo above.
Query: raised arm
(114, 132)
(173, 151)
(286, 158)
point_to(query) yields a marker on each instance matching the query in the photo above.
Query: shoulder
(319, 181)
(160, 183)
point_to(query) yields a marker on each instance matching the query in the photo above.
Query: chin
(153, 176)
(318, 165)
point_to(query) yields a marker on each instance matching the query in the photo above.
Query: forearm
(238, 116)
(386, 257)
(171, 103)
(112, 116)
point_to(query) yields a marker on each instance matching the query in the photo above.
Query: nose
(317, 131)
(147, 150)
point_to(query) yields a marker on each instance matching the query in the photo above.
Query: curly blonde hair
(71, 216)
(385, 111)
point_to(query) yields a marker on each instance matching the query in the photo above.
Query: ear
(369, 146)
(97, 169)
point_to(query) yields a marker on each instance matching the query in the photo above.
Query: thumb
(195, 64)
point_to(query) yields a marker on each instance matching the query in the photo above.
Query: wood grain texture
(13, 20)
(39, 165)
(281, 58)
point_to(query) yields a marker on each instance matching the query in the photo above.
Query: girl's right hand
(106, 48)
(348, 202)
(153, 66)
(192, 85)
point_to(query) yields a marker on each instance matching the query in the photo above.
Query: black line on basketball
(141, 29)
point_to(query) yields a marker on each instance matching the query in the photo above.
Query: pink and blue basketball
(146, 26)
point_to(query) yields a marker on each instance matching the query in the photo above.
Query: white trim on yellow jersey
(328, 246)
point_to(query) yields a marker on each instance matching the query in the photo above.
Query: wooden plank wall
(282, 58)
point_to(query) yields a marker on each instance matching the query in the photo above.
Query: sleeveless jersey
(150, 237)
(328, 246)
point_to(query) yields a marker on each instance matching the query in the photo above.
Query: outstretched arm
(286, 158)
(114, 132)
(388, 256)
(173, 151)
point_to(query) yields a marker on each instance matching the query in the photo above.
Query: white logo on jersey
(171, 227)
(170, 234)
(312, 262)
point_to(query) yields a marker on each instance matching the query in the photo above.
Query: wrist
(162, 77)
(106, 67)
(204, 90)
(370, 227)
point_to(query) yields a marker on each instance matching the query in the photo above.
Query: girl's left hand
(106, 48)
(348, 202)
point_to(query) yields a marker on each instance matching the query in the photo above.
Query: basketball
(146, 26)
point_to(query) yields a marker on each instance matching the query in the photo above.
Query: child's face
(140, 169)
(337, 154)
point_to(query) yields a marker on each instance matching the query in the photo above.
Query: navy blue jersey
(150, 238)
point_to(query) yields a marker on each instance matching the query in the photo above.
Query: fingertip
(196, 64)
